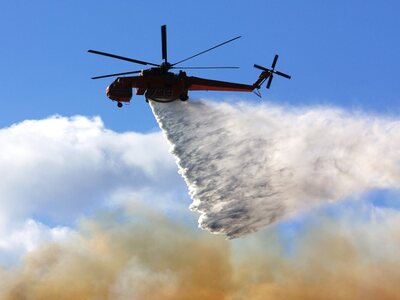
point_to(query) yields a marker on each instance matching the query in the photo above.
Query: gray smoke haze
(248, 166)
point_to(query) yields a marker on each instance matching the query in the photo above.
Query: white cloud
(61, 167)
(26, 237)
(58, 169)
(246, 167)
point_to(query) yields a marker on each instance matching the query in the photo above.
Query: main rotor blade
(260, 67)
(274, 62)
(283, 74)
(219, 45)
(164, 42)
(205, 67)
(123, 58)
(116, 74)
(269, 81)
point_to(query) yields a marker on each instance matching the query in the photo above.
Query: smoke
(246, 167)
(249, 166)
(114, 256)
(149, 256)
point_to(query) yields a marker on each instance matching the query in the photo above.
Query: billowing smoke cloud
(137, 256)
(149, 256)
(249, 166)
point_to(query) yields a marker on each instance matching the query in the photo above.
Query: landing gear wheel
(119, 104)
(183, 97)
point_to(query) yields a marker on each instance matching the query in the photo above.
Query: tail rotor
(270, 72)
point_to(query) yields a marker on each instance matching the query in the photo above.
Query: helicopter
(159, 84)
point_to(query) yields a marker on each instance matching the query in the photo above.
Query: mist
(248, 166)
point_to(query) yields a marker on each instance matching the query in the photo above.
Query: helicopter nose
(108, 91)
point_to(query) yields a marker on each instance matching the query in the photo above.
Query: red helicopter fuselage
(154, 83)
(164, 86)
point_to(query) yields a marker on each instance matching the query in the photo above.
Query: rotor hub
(165, 66)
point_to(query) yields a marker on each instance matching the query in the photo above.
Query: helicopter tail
(268, 74)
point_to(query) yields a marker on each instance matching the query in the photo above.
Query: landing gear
(183, 97)
(119, 104)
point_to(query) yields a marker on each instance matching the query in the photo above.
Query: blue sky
(342, 53)
(57, 172)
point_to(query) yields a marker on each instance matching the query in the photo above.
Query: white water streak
(248, 166)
